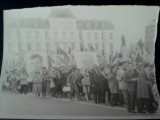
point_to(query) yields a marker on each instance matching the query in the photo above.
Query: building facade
(60, 30)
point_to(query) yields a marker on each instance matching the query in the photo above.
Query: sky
(128, 20)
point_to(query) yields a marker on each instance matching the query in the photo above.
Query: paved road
(24, 105)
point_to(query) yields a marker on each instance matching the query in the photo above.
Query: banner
(85, 60)
(35, 61)
(57, 60)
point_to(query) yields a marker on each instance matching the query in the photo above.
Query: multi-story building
(150, 31)
(150, 38)
(63, 30)
(60, 30)
(96, 35)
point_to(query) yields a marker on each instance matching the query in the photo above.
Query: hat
(95, 66)
(146, 64)
(113, 65)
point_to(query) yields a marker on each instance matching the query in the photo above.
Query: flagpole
(47, 48)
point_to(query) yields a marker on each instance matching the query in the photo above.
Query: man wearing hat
(95, 83)
(86, 84)
(23, 81)
(123, 93)
(111, 75)
(71, 80)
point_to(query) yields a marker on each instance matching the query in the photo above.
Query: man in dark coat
(142, 92)
(130, 77)
(44, 82)
(58, 84)
(105, 86)
(95, 84)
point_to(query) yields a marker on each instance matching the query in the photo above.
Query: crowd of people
(122, 84)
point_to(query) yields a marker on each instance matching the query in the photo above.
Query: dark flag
(50, 61)
(139, 57)
(90, 46)
(114, 57)
(62, 52)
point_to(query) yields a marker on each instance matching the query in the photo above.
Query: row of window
(38, 47)
(97, 36)
(64, 35)
(95, 25)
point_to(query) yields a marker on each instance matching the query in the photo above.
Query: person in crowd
(51, 77)
(64, 80)
(14, 78)
(44, 82)
(142, 91)
(105, 86)
(79, 85)
(71, 80)
(23, 81)
(156, 96)
(86, 84)
(58, 84)
(131, 77)
(9, 79)
(101, 90)
(5, 82)
(123, 93)
(111, 76)
(37, 67)
(37, 84)
(95, 83)
(150, 77)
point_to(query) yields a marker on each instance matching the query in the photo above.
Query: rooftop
(29, 23)
(95, 24)
(61, 13)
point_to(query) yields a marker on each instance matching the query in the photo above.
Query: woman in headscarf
(44, 82)
(142, 91)
(111, 75)
(86, 84)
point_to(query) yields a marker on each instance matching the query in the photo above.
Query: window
(103, 25)
(87, 24)
(28, 35)
(29, 45)
(96, 36)
(71, 35)
(96, 46)
(36, 35)
(38, 46)
(73, 46)
(55, 34)
(99, 25)
(64, 35)
(48, 46)
(47, 35)
(95, 25)
(88, 35)
(111, 35)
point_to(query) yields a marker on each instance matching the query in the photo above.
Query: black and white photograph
(79, 62)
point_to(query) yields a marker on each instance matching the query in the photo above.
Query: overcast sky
(128, 20)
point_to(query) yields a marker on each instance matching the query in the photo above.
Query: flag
(62, 52)
(114, 57)
(50, 61)
(139, 58)
(90, 46)
(140, 43)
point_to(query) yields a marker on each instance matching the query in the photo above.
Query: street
(26, 105)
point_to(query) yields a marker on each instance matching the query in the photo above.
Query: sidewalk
(90, 102)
